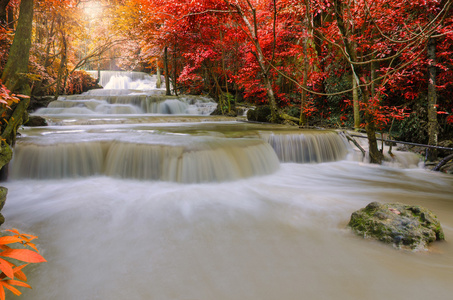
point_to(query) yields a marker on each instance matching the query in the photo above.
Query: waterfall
(195, 153)
(128, 93)
(308, 147)
(175, 158)
(122, 77)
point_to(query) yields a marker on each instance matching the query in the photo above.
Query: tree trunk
(18, 117)
(158, 79)
(432, 99)
(175, 87)
(375, 155)
(356, 105)
(253, 29)
(225, 72)
(14, 74)
(62, 67)
(443, 162)
(167, 78)
(303, 101)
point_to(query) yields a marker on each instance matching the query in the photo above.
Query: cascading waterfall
(124, 79)
(132, 205)
(128, 93)
(176, 158)
(196, 153)
(310, 147)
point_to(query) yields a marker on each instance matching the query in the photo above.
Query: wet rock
(404, 226)
(6, 153)
(39, 102)
(34, 121)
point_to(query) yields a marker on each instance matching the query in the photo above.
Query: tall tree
(12, 109)
(432, 98)
(14, 74)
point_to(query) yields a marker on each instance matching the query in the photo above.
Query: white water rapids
(277, 233)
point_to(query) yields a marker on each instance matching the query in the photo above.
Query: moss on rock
(404, 226)
(3, 192)
(259, 114)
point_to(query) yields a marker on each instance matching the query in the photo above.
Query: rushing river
(235, 211)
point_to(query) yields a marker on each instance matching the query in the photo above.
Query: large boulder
(404, 226)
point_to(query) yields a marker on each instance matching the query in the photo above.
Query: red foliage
(79, 82)
(11, 271)
(211, 47)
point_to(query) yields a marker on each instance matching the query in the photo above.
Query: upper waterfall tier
(124, 77)
(128, 93)
(132, 103)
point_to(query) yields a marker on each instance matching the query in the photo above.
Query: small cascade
(88, 107)
(121, 77)
(128, 104)
(62, 160)
(128, 93)
(218, 161)
(177, 159)
(308, 147)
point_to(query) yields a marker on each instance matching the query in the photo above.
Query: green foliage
(414, 128)
(293, 111)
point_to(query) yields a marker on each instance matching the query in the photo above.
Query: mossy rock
(34, 121)
(6, 154)
(259, 114)
(3, 193)
(404, 226)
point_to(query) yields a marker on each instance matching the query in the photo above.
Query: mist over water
(275, 234)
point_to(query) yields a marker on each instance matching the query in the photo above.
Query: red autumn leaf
(6, 268)
(9, 240)
(2, 291)
(19, 274)
(23, 255)
(5, 283)
(17, 283)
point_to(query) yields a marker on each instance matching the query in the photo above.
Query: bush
(79, 82)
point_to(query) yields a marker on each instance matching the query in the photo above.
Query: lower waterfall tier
(195, 152)
(205, 161)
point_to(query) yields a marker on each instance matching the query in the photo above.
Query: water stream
(153, 205)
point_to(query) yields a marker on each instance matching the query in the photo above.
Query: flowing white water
(125, 80)
(277, 233)
(128, 93)
(280, 236)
